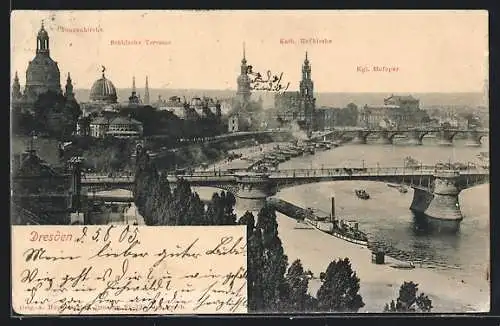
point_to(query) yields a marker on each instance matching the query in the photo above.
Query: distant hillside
(322, 99)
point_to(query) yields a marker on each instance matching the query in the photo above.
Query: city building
(42, 75)
(40, 194)
(299, 106)
(118, 127)
(233, 123)
(102, 96)
(396, 112)
(408, 102)
(325, 119)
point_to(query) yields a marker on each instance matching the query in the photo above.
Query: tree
(181, 202)
(56, 115)
(215, 211)
(228, 202)
(298, 282)
(195, 212)
(339, 288)
(255, 252)
(408, 301)
(274, 262)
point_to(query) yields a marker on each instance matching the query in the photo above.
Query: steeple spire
(244, 60)
(133, 84)
(146, 92)
(16, 88)
(69, 88)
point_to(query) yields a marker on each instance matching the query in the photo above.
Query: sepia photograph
(218, 161)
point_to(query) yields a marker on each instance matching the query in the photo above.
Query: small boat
(402, 189)
(362, 194)
(403, 265)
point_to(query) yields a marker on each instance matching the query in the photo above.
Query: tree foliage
(339, 288)
(55, 115)
(408, 301)
(160, 205)
(298, 283)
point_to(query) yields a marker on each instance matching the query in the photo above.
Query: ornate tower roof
(306, 84)
(69, 88)
(42, 41)
(243, 81)
(103, 90)
(16, 88)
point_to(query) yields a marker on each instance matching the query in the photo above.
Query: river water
(386, 217)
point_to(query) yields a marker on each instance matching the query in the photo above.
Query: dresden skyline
(425, 52)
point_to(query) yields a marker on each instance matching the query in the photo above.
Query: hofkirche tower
(306, 90)
(42, 74)
(244, 88)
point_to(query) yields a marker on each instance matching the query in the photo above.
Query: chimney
(333, 209)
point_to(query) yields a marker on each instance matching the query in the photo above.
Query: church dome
(43, 74)
(103, 90)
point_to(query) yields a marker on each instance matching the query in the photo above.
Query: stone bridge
(414, 135)
(435, 191)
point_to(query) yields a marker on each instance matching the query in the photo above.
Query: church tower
(244, 88)
(308, 102)
(146, 92)
(42, 42)
(43, 73)
(306, 84)
(133, 99)
(69, 89)
(16, 89)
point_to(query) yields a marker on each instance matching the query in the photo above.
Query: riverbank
(214, 156)
(379, 284)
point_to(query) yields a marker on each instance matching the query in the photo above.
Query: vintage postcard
(229, 162)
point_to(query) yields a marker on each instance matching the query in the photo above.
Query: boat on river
(346, 230)
(362, 194)
(402, 189)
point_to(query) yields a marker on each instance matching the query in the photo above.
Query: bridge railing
(366, 171)
(301, 173)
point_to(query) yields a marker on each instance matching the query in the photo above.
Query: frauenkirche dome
(103, 90)
(43, 73)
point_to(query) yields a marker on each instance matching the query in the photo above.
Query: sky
(428, 51)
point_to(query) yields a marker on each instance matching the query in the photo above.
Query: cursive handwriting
(269, 82)
(33, 254)
(130, 270)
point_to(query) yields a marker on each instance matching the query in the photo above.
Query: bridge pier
(414, 138)
(446, 138)
(253, 191)
(473, 139)
(440, 209)
(360, 138)
(384, 138)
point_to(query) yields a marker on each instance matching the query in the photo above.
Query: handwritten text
(129, 270)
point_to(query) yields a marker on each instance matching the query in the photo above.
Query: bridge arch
(423, 134)
(393, 134)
